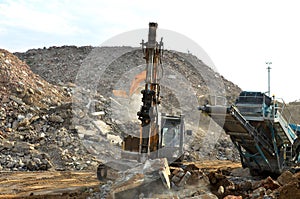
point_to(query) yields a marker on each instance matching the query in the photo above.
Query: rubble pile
(62, 65)
(21, 85)
(37, 112)
(56, 64)
(143, 181)
(35, 119)
(99, 132)
(199, 181)
(239, 184)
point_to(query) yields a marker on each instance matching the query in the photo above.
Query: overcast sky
(239, 36)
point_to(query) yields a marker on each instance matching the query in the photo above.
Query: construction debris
(35, 119)
(228, 186)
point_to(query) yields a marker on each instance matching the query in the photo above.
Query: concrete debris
(143, 181)
(56, 118)
(228, 186)
(99, 113)
(35, 119)
(180, 177)
(140, 176)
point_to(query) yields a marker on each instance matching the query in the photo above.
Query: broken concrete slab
(102, 127)
(142, 174)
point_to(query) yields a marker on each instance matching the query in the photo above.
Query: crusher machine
(262, 129)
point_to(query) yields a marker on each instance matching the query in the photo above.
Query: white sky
(239, 36)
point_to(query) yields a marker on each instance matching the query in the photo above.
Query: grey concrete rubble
(36, 118)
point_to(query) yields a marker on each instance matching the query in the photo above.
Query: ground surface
(66, 184)
(47, 184)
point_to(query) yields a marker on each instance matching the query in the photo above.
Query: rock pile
(43, 126)
(20, 85)
(226, 185)
(62, 64)
(35, 119)
(83, 66)
(56, 64)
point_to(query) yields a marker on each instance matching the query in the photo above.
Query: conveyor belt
(259, 149)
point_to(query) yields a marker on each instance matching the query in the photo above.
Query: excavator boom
(148, 114)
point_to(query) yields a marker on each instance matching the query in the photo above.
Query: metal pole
(269, 68)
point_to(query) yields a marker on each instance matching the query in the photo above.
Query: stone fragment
(183, 180)
(102, 127)
(30, 91)
(31, 165)
(42, 135)
(28, 99)
(175, 179)
(2, 135)
(114, 139)
(24, 123)
(245, 186)
(285, 178)
(99, 113)
(39, 83)
(8, 144)
(269, 183)
(16, 99)
(8, 129)
(5, 99)
(56, 118)
(20, 117)
(176, 170)
(259, 192)
(221, 190)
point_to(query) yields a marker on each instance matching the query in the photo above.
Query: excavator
(262, 129)
(161, 135)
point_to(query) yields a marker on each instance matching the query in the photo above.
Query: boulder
(269, 183)
(285, 178)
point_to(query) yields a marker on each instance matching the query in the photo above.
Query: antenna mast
(269, 70)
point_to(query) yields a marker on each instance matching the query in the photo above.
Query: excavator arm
(148, 114)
